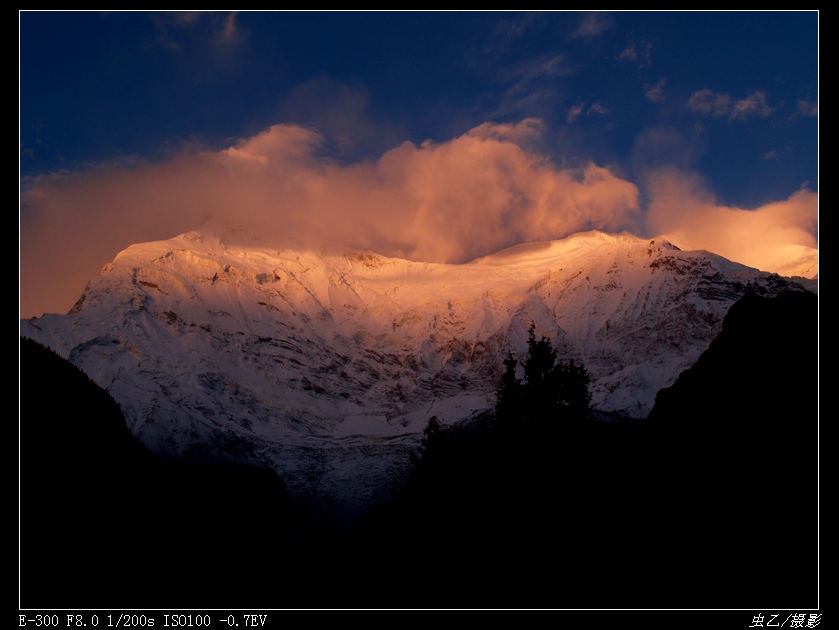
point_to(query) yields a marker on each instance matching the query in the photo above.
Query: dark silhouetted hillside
(103, 523)
(738, 433)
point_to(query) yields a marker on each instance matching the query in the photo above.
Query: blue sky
(638, 109)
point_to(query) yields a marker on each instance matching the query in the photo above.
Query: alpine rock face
(326, 363)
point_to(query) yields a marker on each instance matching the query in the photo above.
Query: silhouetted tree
(431, 442)
(549, 390)
(540, 386)
(571, 387)
(509, 402)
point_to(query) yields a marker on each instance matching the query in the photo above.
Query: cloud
(511, 30)
(806, 108)
(780, 237)
(708, 103)
(754, 105)
(545, 66)
(655, 92)
(592, 25)
(657, 147)
(444, 202)
(165, 38)
(280, 145)
(179, 30)
(185, 18)
(637, 52)
(229, 32)
(530, 77)
(340, 113)
(447, 201)
(629, 53)
(719, 105)
(525, 134)
(574, 112)
(600, 109)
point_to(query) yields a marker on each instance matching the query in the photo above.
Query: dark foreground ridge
(710, 503)
(104, 523)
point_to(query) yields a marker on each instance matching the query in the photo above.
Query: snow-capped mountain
(327, 362)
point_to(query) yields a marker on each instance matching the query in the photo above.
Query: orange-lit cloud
(780, 237)
(444, 202)
(447, 202)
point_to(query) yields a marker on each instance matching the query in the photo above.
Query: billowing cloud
(719, 105)
(445, 202)
(525, 134)
(780, 237)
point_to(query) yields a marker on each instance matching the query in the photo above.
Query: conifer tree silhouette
(550, 390)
